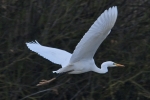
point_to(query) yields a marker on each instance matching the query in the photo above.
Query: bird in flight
(81, 60)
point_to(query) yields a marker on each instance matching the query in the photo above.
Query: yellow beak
(119, 65)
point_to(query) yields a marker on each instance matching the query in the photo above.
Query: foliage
(61, 24)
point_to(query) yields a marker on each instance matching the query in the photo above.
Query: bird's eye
(114, 63)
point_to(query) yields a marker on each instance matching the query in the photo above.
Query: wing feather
(90, 42)
(52, 54)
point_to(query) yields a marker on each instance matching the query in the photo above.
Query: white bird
(81, 60)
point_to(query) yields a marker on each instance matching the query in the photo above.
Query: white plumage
(82, 58)
(90, 42)
(54, 55)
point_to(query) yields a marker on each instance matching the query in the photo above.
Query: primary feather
(90, 42)
(57, 56)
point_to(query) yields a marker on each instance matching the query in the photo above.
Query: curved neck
(101, 70)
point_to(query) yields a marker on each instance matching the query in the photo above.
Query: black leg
(64, 73)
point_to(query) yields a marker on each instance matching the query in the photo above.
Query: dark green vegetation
(61, 24)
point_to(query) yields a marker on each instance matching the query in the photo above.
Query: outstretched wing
(54, 55)
(90, 42)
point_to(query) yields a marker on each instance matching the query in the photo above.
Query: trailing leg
(44, 82)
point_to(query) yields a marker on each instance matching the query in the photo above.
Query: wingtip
(27, 42)
(32, 42)
(36, 42)
(114, 7)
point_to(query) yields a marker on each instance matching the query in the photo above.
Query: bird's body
(78, 67)
(81, 60)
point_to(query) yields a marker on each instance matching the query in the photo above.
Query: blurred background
(61, 24)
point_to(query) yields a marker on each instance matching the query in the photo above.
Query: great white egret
(81, 60)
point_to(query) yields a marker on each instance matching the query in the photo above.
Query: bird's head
(112, 64)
